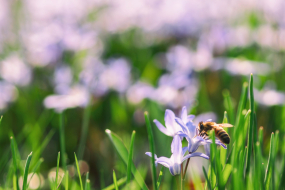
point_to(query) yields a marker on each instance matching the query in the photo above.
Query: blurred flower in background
(124, 57)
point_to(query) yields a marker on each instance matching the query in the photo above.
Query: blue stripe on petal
(175, 169)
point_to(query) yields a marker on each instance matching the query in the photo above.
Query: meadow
(108, 94)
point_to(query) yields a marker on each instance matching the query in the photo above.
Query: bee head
(201, 126)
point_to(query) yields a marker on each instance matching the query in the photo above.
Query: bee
(220, 133)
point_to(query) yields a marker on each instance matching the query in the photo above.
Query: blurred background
(115, 59)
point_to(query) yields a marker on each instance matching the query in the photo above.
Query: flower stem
(181, 177)
(177, 181)
(188, 160)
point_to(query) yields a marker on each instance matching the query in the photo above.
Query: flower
(75, 96)
(172, 128)
(177, 157)
(190, 132)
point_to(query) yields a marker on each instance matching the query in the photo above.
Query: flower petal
(207, 149)
(218, 142)
(184, 149)
(182, 125)
(184, 114)
(170, 123)
(175, 169)
(197, 141)
(164, 161)
(176, 146)
(192, 128)
(150, 155)
(190, 117)
(162, 128)
(194, 155)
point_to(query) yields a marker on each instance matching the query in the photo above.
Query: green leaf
(226, 173)
(40, 161)
(130, 158)
(268, 172)
(87, 182)
(57, 168)
(260, 138)
(119, 183)
(259, 172)
(38, 152)
(115, 180)
(62, 140)
(207, 179)
(241, 107)
(251, 126)
(78, 171)
(13, 149)
(229, 105)
(84, 131)
(215, 167)
(123, 152)
(26, 172)
(223, 152)
(282, 178)
(151, 147)
(160, 177)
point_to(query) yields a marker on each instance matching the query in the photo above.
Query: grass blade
(26, 172)
(226, 173)
(123, 152)
(151, 147)
(115, 180)
(268, 172)
(259, 172)
(207, 179)
(38, 152)
(84, 131)
(223, 152)
(260, 137)
(14, 161)
(119, 183)
(229, 105)
(62, 140)
(251, 126)
(87, 181)
(160, 177)
(130, 158)
(282, 178)
(66, 179)
(40, 161)
(57, 167)
(87, 184)
(78, 171)
(241, 106)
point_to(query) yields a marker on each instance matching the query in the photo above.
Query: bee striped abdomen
(222, 135)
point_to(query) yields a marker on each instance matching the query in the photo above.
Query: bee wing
(225, 125)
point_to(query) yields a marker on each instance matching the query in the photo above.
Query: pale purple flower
(172, 128)
(15, 71)
(177, 157)
(8, 93)
(74, 97)
(190, 132)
